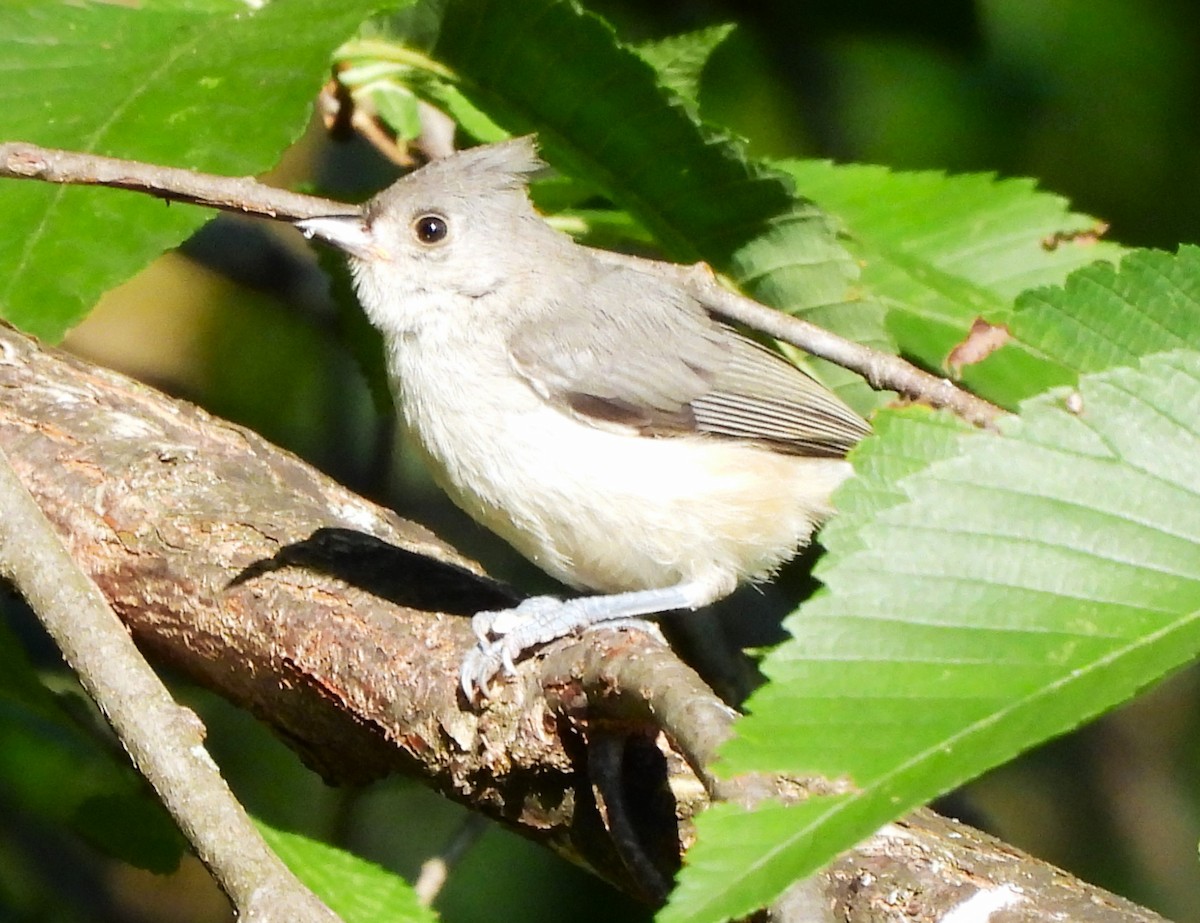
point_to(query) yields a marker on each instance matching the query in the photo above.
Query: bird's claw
(497, 648)
(504, 635)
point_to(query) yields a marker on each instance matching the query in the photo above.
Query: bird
(589, 411)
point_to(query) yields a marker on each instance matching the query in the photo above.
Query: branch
(342, 627)
(19, 160)
(881, 370)
(164, 740)
(331, 619)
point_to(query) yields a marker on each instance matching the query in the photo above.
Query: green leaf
(1103, 317)
(356, 890)
(679, 60)
(939, 251)
(215, 86)
(399, 110)
(989, 591)
(608, 119)
(984, 592)
(727, 874)
(132, 826)
(58, 768)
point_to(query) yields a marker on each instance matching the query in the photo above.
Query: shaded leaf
(59, 768)
(679, 60)
(608, 119)
(133, 827)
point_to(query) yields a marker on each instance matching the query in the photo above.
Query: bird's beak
(346, 232)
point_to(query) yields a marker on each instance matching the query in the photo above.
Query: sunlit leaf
(218, 86)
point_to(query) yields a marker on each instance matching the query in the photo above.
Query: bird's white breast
(600, 509)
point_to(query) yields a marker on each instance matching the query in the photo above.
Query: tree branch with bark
(342, 627)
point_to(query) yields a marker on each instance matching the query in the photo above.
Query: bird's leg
(507, 634)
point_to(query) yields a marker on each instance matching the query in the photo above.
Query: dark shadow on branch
(387, 572)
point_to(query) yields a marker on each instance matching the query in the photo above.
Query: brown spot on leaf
(982, 340)
(1085, 238)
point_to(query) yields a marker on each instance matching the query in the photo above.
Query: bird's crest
(508, 164)
(503, 167)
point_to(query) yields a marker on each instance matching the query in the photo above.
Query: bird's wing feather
(655, 361)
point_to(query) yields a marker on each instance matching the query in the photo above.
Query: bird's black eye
(431, 229)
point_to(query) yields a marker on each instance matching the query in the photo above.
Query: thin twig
(657, 688)
(164, 739)
(243, 194)
(882, 371)
(435, 871)
(19, 160)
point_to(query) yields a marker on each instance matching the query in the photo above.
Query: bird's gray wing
(627, 347)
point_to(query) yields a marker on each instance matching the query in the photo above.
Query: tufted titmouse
(589, 412)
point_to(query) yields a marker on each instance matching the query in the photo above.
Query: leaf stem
(379, 50)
